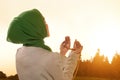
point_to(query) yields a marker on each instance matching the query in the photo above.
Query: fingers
(65, 45)
(77, 47)
(67, 41)
(67, 38)
(76, 44)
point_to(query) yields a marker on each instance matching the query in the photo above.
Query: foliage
(100, 67)
(2, 75)
(97, 68)
(93, 78)
(15, 77)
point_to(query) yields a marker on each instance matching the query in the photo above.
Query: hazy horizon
(95, 23)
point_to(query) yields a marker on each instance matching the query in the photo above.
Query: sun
(107, 41)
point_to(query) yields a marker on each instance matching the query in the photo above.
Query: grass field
(93, 78)
(83, 78)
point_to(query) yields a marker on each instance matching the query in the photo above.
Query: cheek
(48, 34)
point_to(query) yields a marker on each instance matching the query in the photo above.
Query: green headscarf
(29, 29)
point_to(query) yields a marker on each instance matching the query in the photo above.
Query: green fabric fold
(29, 29)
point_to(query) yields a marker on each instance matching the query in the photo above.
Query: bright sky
(95, 23)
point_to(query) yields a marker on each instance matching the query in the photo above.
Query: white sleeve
(69, 64)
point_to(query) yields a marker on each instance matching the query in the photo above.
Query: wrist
(62, 52)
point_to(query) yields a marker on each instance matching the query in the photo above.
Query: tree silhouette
(15, 77)
(116, 65)
(98, 59)
(2, 75)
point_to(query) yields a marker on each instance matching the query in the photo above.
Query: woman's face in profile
(48, 33)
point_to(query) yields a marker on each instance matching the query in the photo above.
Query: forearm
(70, 65)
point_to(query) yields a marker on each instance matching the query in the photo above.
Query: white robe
(34, 63)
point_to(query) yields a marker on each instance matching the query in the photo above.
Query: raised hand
(65, 45)
(77, 47)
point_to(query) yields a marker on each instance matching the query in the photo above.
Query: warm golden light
(107, 41)
(95, 23)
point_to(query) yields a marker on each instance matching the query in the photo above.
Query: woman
(35, 60)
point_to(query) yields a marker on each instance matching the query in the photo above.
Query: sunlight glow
(107, 41)
(95, 23)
